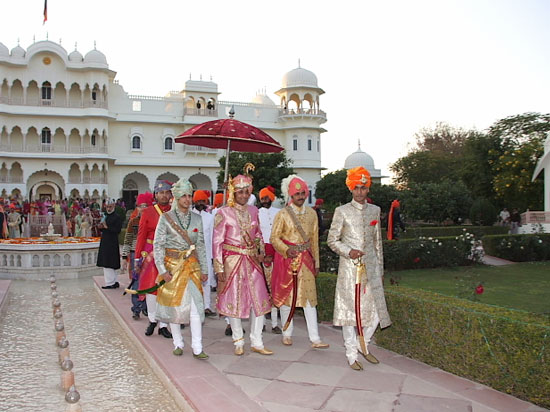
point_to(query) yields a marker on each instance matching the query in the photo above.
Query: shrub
(518, 248)
(416, 253)
(326, 286)
(483, 212)
(499, 347)
(443, 231)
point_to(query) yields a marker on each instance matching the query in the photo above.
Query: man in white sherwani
(356, 237)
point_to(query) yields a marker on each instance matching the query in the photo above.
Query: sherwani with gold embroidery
(285, 235)
(357, 226)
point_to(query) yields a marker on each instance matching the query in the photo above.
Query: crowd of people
(83, 216)
(261, 261)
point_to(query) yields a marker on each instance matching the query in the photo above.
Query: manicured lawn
(524, 286)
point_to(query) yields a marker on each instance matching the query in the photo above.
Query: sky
(389, 68)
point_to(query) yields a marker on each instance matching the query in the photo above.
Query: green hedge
(501, 348)
(443, 231)
(326, 286)
(518, 248)
(414, 253)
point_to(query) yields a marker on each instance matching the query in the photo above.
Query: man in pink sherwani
(238, 251)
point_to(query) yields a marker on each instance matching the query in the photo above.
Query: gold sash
(184, 267)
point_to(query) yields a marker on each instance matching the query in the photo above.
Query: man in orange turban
(201, 199)
(218, 200)
(394, 221)
(356, 237)
(266, 214)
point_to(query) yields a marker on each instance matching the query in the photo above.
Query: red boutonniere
(374, 222)
(479, 289)
(195, 230)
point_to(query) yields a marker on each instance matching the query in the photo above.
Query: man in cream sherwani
(356, 237)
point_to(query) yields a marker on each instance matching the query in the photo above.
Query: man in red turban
(201, 199)
(295, 237)
(394, 221)
(143, 201)
(266, 214)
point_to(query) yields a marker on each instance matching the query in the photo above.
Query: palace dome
(359, 158)
(4, 51)
(263, 99)
(75, 56)
(18, 52)
(95, 56)
(299, 77)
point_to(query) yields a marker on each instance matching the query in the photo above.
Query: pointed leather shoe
(150, 329)
(239, 350)
(356, 366)
(165, 332)
(262, 351)
(178, 351)
(369, 357)
(287, 341)
(201, 356)
(320, 345)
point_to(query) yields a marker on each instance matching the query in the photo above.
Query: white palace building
(68, 128)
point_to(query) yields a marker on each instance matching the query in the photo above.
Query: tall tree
(522, 138)
(333, 190)
(271, 168)
(437, 156)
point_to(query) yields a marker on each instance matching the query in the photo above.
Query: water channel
(110, 373)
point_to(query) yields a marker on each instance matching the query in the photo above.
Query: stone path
(495, 261)
(298, 378)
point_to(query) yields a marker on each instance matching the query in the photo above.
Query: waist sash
(184, 267)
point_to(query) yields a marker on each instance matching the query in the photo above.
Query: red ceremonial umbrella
(230, 134)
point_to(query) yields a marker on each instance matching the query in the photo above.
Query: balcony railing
(191, 111)
(11, 179)
(302, 112)
(88, 180)
(198, 149)
(18, 101)
(50, 148)
(535, 217)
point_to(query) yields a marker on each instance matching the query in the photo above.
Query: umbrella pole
(226, 172)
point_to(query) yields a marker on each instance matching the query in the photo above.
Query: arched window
(310, 196)
(93, 139)
(318, 145)
(295, 144)
(46, 91)
(168, 144)
(309, 144)
(136, 143)
(46, 136)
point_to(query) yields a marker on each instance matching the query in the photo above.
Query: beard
(200, 207)
(267, 204)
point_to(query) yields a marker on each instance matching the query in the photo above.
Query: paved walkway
(495, 261)
(298, 378)
(4, 287)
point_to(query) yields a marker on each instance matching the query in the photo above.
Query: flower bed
(444, 231)
(40, 241)
(518, 248)
(417, 253)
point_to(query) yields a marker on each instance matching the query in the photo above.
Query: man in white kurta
(200, 202)
(356, 237)
(266, 215)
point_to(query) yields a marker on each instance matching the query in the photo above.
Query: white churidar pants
(151, 301)
(196, 331)
(256, 326)
(350, 338)
(310, 313)
(206, 294)
(110, 276)
(274, 314)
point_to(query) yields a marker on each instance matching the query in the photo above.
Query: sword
(294, 265)
(361, 271)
